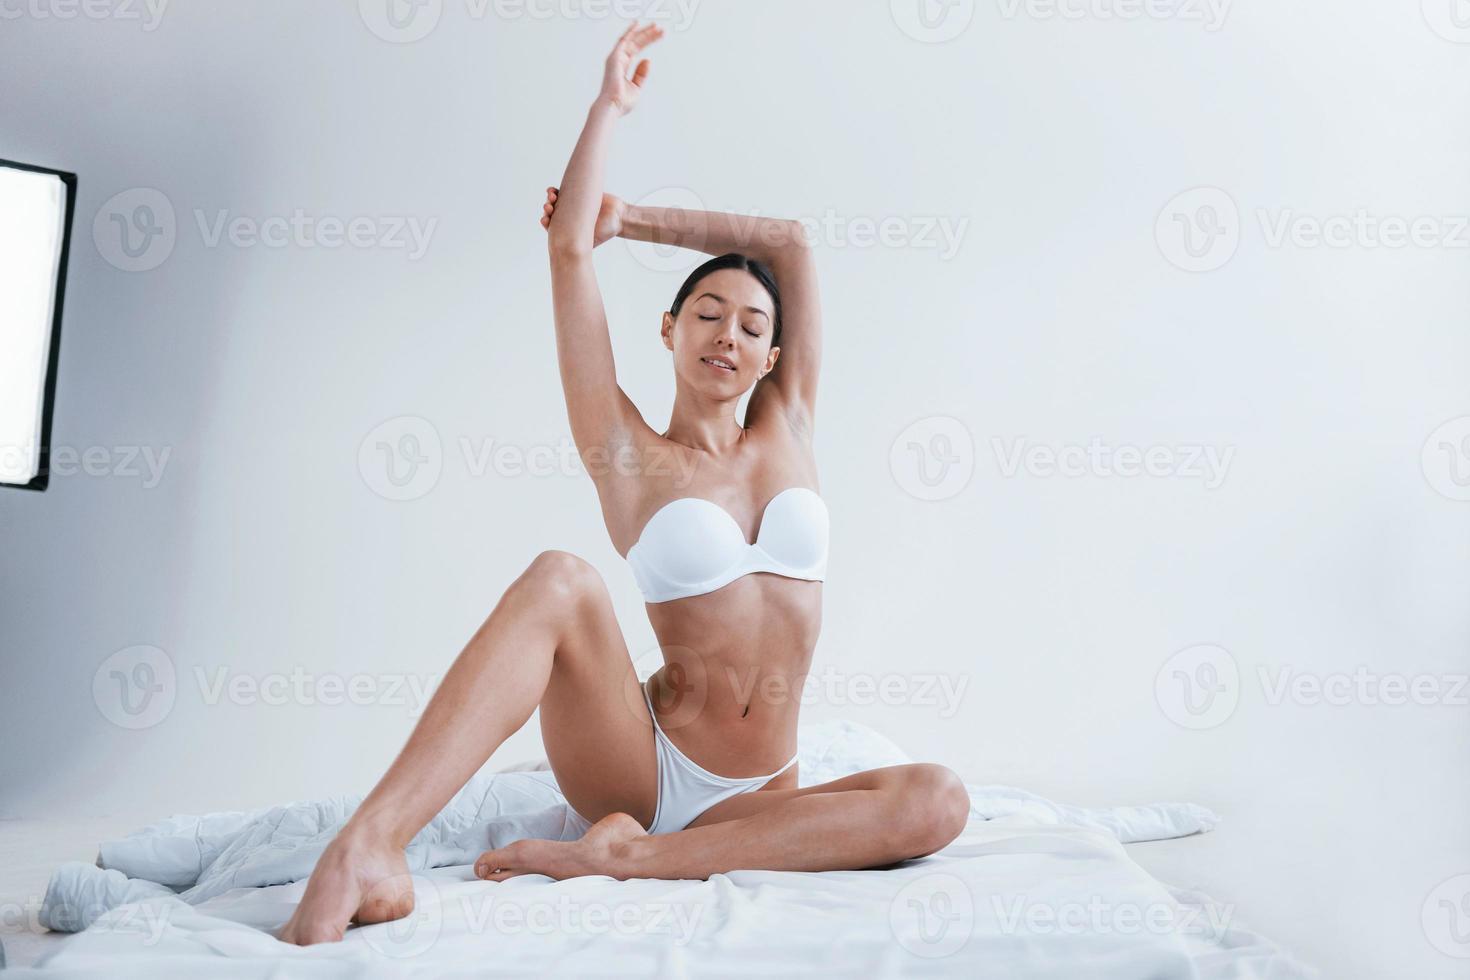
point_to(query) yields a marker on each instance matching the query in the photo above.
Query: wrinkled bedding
(1034, 888)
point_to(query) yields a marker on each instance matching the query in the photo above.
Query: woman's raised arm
(596, 406)
(780, 243)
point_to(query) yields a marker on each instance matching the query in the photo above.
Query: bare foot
(598, 852)
(355, 880)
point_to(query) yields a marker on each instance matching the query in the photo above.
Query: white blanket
(1031, 888)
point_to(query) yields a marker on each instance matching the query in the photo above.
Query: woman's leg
(552, 640)
(866, 820)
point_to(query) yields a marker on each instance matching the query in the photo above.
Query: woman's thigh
(594, 722)
(889, 778)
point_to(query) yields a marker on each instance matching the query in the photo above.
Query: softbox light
(35, 237)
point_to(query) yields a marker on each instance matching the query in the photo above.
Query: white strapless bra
(691, 545)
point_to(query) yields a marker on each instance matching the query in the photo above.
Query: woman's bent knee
(561, 574)
(934, 808)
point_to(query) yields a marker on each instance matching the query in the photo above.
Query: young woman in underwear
(693, 773)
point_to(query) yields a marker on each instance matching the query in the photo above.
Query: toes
(501, 863)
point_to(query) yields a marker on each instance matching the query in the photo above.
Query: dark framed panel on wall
(36, 205)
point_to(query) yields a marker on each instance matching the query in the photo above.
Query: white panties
(685, 788)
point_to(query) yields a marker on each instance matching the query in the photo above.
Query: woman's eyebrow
(751, 309)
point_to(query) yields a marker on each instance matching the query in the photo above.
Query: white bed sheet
(1031, 889)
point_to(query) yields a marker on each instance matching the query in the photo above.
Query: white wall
(1052, 144)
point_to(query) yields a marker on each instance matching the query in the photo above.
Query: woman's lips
(716, 366)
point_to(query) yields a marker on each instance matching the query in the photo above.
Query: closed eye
(747, 330)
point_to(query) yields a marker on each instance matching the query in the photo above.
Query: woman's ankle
(372, 832)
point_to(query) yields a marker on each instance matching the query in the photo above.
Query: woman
(699, 777)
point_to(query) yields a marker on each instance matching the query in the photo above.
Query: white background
(1055, 143)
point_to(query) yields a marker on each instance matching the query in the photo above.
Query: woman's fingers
(644, 38)
(636, 38)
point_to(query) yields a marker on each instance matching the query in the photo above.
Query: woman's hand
(609, 217)
(618, 90)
